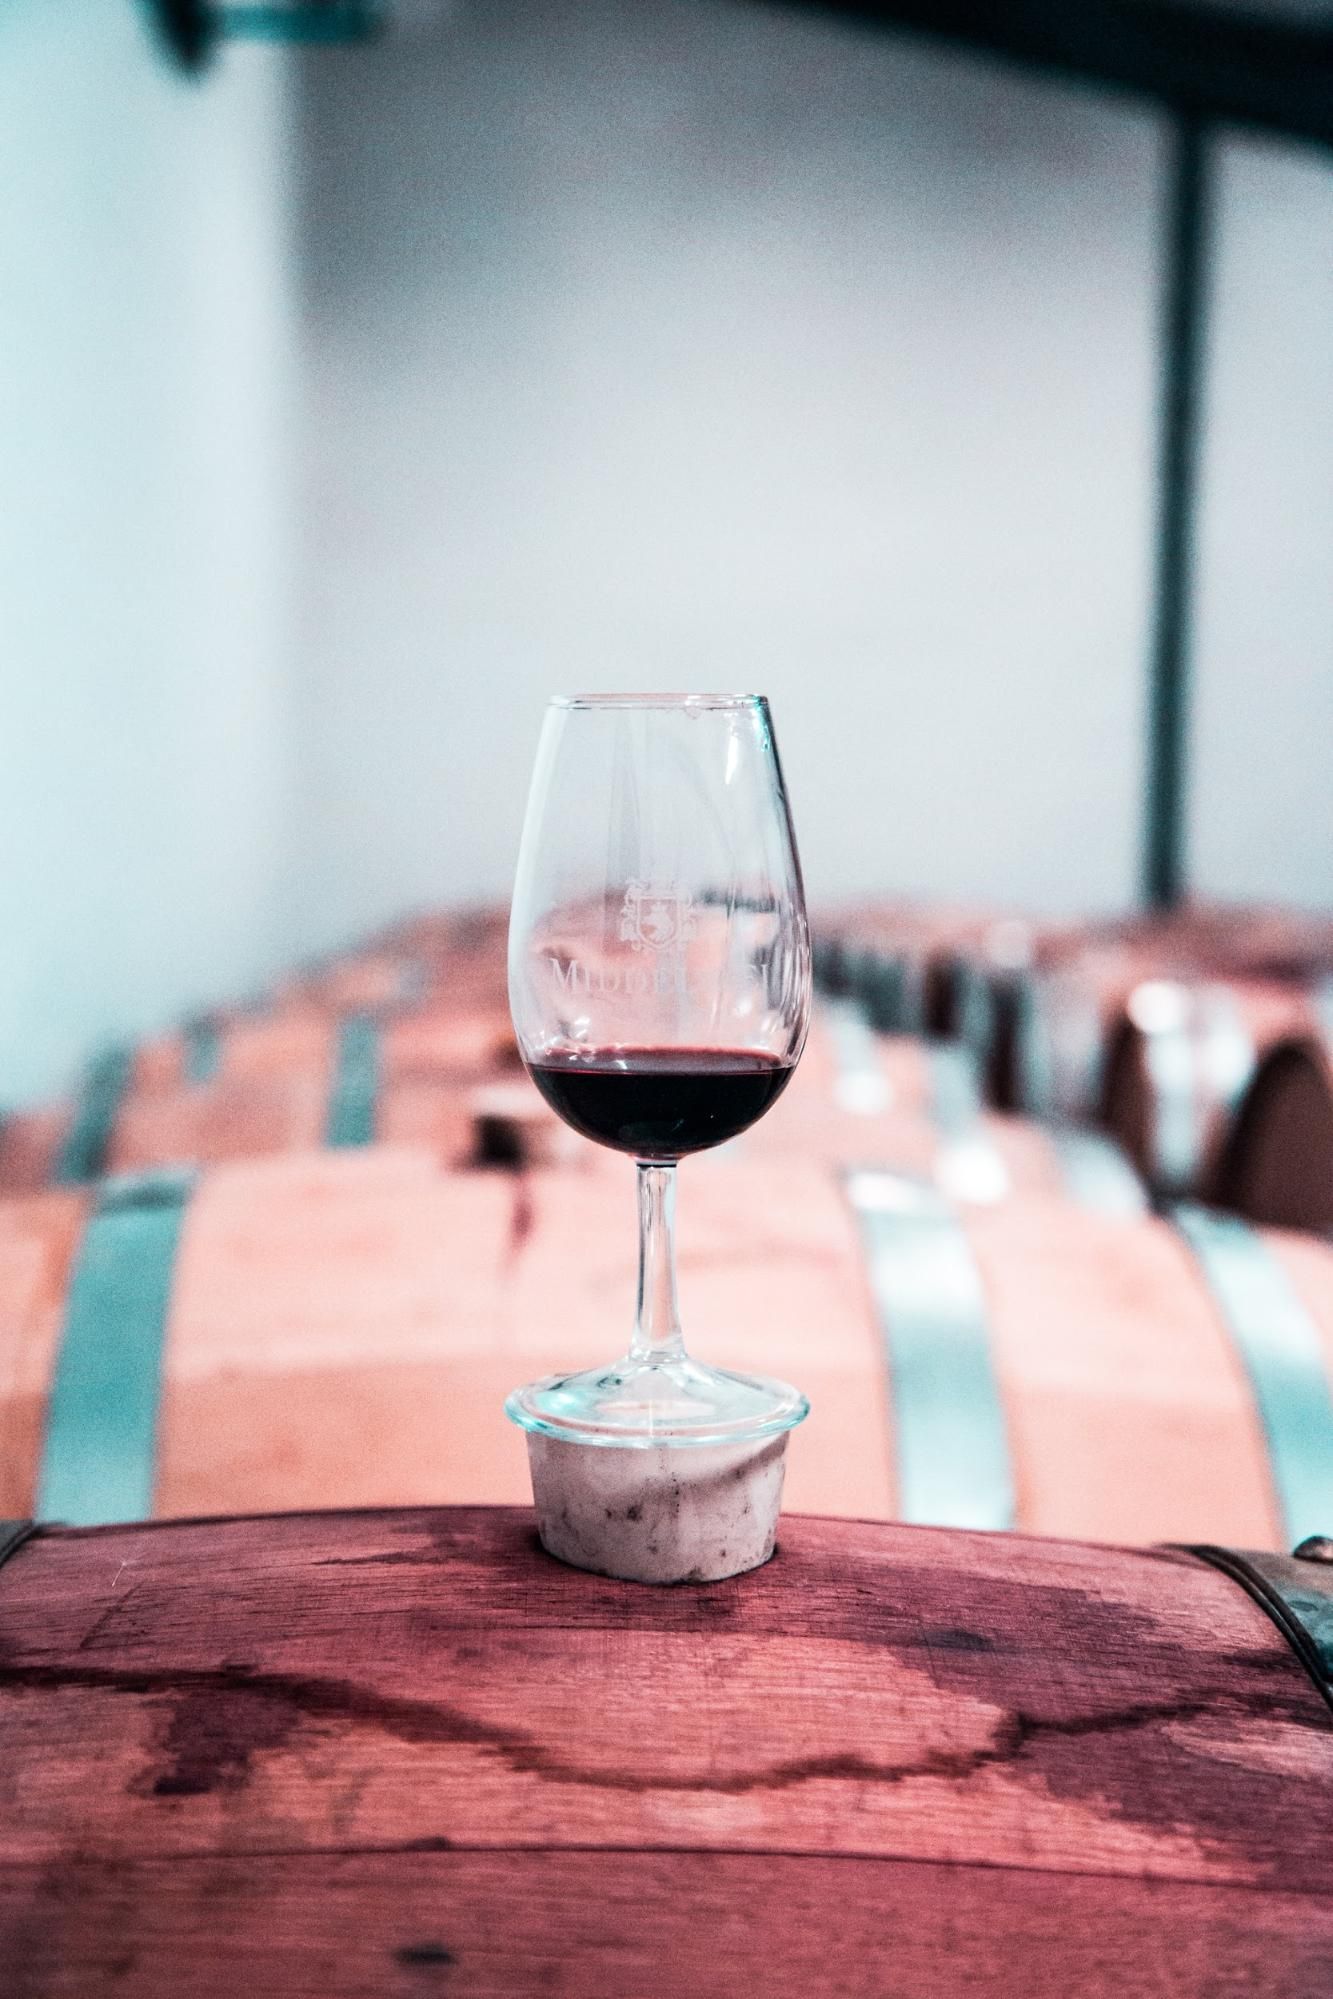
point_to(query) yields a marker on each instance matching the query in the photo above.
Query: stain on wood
(362, 1753)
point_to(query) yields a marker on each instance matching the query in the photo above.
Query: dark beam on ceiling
(1267, 70)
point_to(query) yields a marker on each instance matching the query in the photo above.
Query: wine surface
(661, 1102)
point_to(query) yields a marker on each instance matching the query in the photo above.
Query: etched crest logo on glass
(653, 919)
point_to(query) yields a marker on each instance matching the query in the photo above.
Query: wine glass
(659, 981)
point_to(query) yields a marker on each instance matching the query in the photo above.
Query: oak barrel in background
(897, 959)
(1180, 1061)
(860, 1097)
(1038, 1002)
(388, 1039)
(1065, 1009)
(1278, 1162)
(385, 1753)
(1037, 1006)
(277, 1083)
(341, 1329)
(993, 1332)
(452, 954)
(449, 1077)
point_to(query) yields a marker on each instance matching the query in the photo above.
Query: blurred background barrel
(379, 1751)
(453, 955)
(1180, 1062)
(282, 1083)
(1039, 1004)
(342, 1329)
(1278, 1162)
(993, 1329)
(1071, 1003)
(447, 1075)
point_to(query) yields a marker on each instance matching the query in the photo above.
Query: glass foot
(649, 1402)
(685, 1481)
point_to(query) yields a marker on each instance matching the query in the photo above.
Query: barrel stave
(333, 1335)
(347, 1754)
(39, 1241)
(392, 1925)
(304, 1685)
(344, 1327)
(1128, 1410)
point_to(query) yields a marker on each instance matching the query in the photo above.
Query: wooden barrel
(384, 978)
(1179, 1063)
(1036, 1001)
(897, 1101)
(897, 960)
(458, 954)
(446, 936)
(963, 973)
(398, 1037)
(282, 1082)
(341, 1329)
(1277, 1165)
(391, 1753)
(1064, 1012)
(979, 975)
(451, 1079)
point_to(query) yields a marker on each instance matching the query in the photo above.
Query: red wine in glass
(660, 1103)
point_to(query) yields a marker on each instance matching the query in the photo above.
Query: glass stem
(657, 1335)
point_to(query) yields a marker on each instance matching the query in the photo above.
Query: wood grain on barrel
(344, 1753)
(582, 1925)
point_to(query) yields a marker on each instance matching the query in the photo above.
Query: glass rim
(666, 701)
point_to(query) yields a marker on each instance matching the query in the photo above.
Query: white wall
(691, 346)
(145, 352)
(682, 345)
(1263, 671)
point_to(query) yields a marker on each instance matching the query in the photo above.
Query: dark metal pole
(1186, 258)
